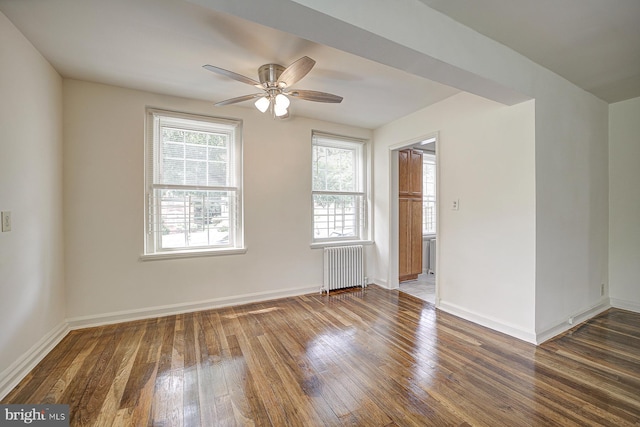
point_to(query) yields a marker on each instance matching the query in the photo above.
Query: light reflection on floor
(329, 349)
(426, 348)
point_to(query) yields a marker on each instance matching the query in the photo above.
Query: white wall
(624, 204)
(32, 305)
(571, 206)
(103, 180)
(571, 128)
(486, 249)
(104, 142)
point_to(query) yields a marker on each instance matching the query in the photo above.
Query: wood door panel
(416, 237)
(404, 170)
(410, 214)
(404, 238)
(415, 173)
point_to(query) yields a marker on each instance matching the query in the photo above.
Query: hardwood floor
(369, 357)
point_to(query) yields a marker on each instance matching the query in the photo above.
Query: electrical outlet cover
(6, 221)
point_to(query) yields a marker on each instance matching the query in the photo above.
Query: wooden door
(410, 214)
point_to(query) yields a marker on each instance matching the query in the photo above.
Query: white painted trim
(625, 305)
(191, 254)
(172, 309)
(10, 377)
(380, 282)
(491, 323)
(573, 321)
(393, 261)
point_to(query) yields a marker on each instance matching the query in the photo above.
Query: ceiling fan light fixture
(282, 101)
(279, 110)
(274, 82)
(262, 104)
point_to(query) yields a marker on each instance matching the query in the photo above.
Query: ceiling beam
(329, 24)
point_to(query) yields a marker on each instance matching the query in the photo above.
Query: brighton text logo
(38, 415)
(27, 416)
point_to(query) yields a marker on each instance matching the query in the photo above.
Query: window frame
(153, 165)
(363, 218)
(429, 157)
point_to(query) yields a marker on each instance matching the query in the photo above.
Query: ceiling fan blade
(294, 72)
(232, 75)
(238, 99)
(312, 95)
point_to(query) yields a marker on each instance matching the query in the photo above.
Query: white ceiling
(593, 43)
(161, 45)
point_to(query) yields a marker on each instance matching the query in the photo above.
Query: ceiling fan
(275, 82)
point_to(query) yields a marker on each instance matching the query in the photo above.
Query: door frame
(394, 223)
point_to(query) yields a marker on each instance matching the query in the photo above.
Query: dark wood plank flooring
(369, 357)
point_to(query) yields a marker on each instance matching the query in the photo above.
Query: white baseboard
(625, 305)
(488, 322)
(172, 309)
(380, 282)
(533, 338)
(573, 321)
(10, 377)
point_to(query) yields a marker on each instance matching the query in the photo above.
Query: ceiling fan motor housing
(269, 74)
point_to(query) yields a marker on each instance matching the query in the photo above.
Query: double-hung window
(193, 181)
(340, 196)
(429, 194)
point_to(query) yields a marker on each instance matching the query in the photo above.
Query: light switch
(6, 221)
(455, 205)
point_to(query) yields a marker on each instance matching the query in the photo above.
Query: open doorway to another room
(421, 249)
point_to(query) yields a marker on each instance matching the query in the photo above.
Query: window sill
(191, 254)
(319, 245)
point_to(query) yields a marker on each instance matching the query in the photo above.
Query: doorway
(423, 283)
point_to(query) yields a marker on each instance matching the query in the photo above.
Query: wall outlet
(6, 221)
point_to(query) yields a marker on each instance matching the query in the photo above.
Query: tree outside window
(339, 197)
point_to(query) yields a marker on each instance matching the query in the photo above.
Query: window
(428, 194)
(339, 189)
(193, 184)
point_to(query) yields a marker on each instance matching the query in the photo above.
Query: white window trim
(340, 141)
(432, 155)
(191, 254)
(150, 252)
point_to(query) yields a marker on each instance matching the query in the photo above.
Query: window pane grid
(192, 219)
(338, 188)
(190, 157)
(193, 174)
(429, 195)
(334, 169)
(338, 216)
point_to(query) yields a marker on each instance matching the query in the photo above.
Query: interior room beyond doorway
(423, 283)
